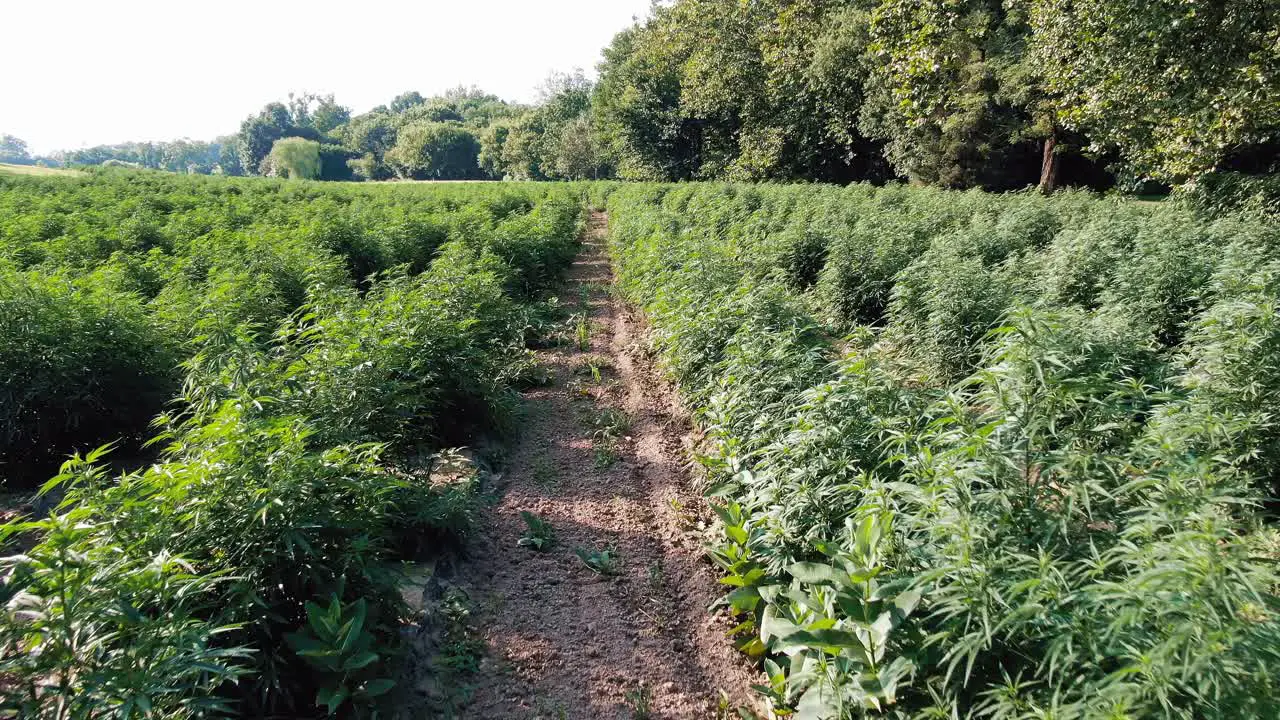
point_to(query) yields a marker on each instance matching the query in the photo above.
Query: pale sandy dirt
(562, 641)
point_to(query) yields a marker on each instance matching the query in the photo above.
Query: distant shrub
(538, 244)
(1162, 277)
(946, 302)
(1232, 369)
(864, 260)
(295, 158)
(417, 361)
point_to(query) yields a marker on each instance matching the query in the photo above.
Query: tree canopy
(435, 151)
(1177, 87)
(958, 93)
(14, 150)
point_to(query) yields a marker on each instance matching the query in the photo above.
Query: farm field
(670, 360)
(300, 359)
(582, 450)
(10, 169)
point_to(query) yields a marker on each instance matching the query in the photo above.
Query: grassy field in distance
(6, 168)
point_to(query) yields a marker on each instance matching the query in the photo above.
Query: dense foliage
(978, 455)
(320, 349)
(965, 93)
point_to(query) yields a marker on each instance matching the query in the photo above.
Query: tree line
(462, 134)
(994, 94)
(182, 156)
(956, 93)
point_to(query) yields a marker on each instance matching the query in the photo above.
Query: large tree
(228, 162)
(406, 100)
(1175, 85)
(760, 90)
(493, 141)
(14, 150)
(954, 97)
(576, 155)
(636, 107)
(259, 132)
(328, 115)
(308, 116)
(940, 91)
(435, 151)
(553, 141)
(782, 85)
(369, 137)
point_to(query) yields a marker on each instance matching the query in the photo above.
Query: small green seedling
(595, 366)
(604, 455)
(601, 562)
(726, 710)
(461, 648)
(641, 702)
(611, 423)
(657, 577)
(336, 645)
(540, 536)
(544, 473)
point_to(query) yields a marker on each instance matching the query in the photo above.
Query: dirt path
(600, 459)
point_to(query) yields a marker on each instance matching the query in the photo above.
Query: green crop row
(978, 455)
(316, 350)
(110, 281)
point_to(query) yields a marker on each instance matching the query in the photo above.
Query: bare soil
(563, 641)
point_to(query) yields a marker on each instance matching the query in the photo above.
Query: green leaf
(906, 602)
(816, 573)
(318, 619)
(301, 642)
(736, 534)
(377, 688)
(333, 699)
(355, 625)
(359, 661)
(832, 638)
(774, 627)
(819, 702)
(743, 599)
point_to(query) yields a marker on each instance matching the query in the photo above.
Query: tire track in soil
(561, 641)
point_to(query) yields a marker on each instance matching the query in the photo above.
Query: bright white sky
(90, 72)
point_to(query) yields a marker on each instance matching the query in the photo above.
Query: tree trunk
(1049, 165)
